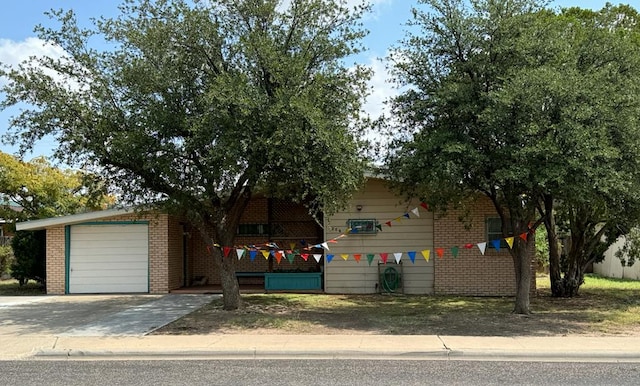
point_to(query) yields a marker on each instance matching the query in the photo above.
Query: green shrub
(6, 259)
(29, 250)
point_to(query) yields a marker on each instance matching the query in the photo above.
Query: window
(359, 226)
(253, 229)
(494, 230)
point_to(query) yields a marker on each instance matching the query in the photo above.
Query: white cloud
(13, 53)
(381, 89)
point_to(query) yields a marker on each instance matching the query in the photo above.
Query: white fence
(611, 266)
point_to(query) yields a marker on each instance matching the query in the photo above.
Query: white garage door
(109, 258)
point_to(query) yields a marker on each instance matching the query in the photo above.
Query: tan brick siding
(56, 268)
(471, 273)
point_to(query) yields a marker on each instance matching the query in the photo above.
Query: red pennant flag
(278, 256)
(384, 257)
(304, 256)
(388, 223)
(424, 205)
(524, 236)
(468, 246)
(208, 249)
(226, 251)
(440, 252)
(357, 257)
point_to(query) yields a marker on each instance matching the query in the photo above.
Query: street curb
(547, 355)
(242, 354)
(486, 355)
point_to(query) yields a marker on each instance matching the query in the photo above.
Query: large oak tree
(525, 106)
(194, 107)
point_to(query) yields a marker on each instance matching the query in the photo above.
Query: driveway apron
(94, 315)
(143, 319)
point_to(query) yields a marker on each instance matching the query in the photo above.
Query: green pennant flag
(370, 257)
(454, 251)
(290, 257)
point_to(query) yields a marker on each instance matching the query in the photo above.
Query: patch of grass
(604, 307)
(12, 288)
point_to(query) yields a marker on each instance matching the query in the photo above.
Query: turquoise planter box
(293, 281)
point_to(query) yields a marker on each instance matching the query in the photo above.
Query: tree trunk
(555, 271)
(226, 266)
(230, 289)
(522, 265)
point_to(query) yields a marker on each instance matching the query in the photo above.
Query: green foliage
(196, 103)
(29, 249)
(42, 190)
(542, 248)
(6, 258)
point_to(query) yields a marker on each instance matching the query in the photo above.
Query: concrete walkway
(383, 347)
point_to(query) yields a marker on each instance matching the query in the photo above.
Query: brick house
(115, 250)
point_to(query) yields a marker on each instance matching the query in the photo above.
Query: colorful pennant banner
(279, 254)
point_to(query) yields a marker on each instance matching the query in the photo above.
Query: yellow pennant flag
(426, 253)
(509, 241)
(265, 254)
(345, 256)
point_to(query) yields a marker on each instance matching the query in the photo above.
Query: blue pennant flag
(496, 244)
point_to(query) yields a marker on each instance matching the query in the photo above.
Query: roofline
(34, 225)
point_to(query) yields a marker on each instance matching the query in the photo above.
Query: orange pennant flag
(523, 236)
(440, 252)
(279, 256)
(357, 257)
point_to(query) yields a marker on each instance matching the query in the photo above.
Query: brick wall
(174, 237)
(471, 273)
(56, 269)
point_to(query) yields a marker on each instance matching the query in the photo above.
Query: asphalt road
(318, 372)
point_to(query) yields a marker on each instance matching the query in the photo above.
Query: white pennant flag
(398, 256)
(240, 253)
(482, 247)
(415, 211)
(317, 256)
(325, 246)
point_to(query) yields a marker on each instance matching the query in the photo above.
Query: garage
(108, 258)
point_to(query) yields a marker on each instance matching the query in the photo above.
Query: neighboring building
(119, 251)
(6, 226)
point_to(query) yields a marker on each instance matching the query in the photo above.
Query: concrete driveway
(94, 315)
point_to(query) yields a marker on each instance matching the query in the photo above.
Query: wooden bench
(248, 274)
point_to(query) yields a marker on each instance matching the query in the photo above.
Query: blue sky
(17, 40)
